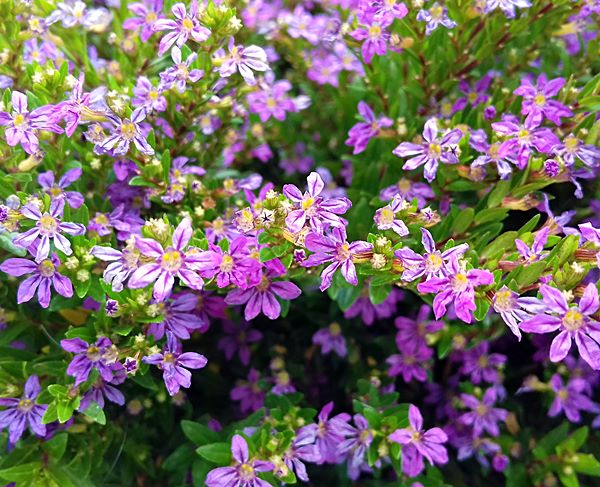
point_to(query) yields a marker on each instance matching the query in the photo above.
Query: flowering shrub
(344, 242)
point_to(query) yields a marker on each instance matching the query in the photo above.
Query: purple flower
(356, 444)
(493, 153)
(57, 190)
(87, 357)
(432, 263)
(507, 6)
(525, 137)
(122, 264)
(32, 52)
(574, 322)
(22, 413)
(301, 450)
(331, 339)
(22, 125)
(146, 14)
(418, 444)
(408, 190)
(570, 399)
(178, 318)
(272, 101)
(234, 267)
(385, 218)
(534, 254)
(48, 226)
(360, 134)
(374, 35)
(514, 309)
(572, 148)
(434, 17)
(249, 394)
(126, 131)
(536, 98)
(263, 296)
(185, 26)
(245, 471)
(410, 361)
(245, 60)
(457, 287)
(101, 389)
(413, 332)
(147, 96)
(174, 364)
(483, 416)
(43, 275)
(329, 434)
(388, 9)
(239, 340)
(432, 151)
(369, 311)
(473, 96)
(335, 249)
(480, 365)
(314, 208)
(180, 74)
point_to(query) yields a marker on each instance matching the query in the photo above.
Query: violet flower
(147, 96)
(24, 412)
(178, 318)
(312, 207)
(245, 60)
(356, 444)
(48, 226)
(244, 473)
(481, 365)
(174, 364)
(410, 361)
(360, 133)
(572, 148)
(46, 180)
(493, 153)
(374, 35)
(238, 338)
(536, 98)
(475, 95)
(272, 100)
(385, 218)
(430, 152)
(88, 357)
(249, 394)
(574, 322)
(43, 276)
(432, 264)
(185, 26)
(408, 190)
(331, 339)
(126, 131)
(122, 264)
(434, 17)
(508, 7)
(329, 433)
(335, 249)
(418, 444)
(514, 309)
(457, 287)
(570, 399)
(102, 389)
(180, 74)
(413, 332)
(302, 449)
(535, 253)
(168, 263)
(146, 14)
(483, 416)
(369, 312)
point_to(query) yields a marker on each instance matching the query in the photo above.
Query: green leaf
(199, 433)
(95, 412)
(21, 474)
(378, 294)
(587, 464)
(548, 443)
(266, 254)
(56, 446)
(463, 221)
(218, 453)
(140, 181)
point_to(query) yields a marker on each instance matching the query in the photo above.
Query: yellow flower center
(150, 17)
(374, 31)
(55, 191)
(25, 405)
(93, 353)
(307, 203)
(386, 216)
(571, 144)
(472, 97)
(539, 100)
(437, 11)
(563, 394)
(573, 320)
(153, 95)
(271, 103)
(404, 185)
(46, 268)
(188, 24)
(19, 120)
(523, 134)
(168, 358)
(226, 263)
(433, 262)
(128, 130)
(435, 150)
(343, 252)
(246, 472)
(504, 301)
(171, 260)
(264, 284)
(460, 282)
(335, 329)
(493, 151)
(481, 409)
(48, 224)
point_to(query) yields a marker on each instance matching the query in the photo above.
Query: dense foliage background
(338, 242)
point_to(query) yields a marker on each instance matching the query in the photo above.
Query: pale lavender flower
(408, 190)
(182, 28)
(385, 218)
(122, 264)
(39, 53)
(481, 365)
(369, 312)
(272, 101)
(475, 95)
(147, 96)
(245, 60)
(570, 399)
(24, 412)
(180, 74)
(146, 14)
(179, 318)
(88, 357)
(374, 35)
(493, 153)
(412, 332)
(514, 309)
(126, 131)
(536, 98)
(356, 444)
(331, 339)
(46, 180)
(507, 6)
(329, 433)
(302, 449)
(483, 417)
(102, 389)
(360, 133)
(572, 148)
(248, 393)
(434, 17)
(410, 362)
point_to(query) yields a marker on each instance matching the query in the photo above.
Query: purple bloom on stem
(314, 208)
(244, 60)
(389, 9)
(88, 357)
(168, 263)
(185, 26)
(408, 190)
(180, 74)
(536, 98)
(369, 312)
(122, 264)
(410, 361)
(385, 218)
(356, 444)
(174, 364)
(433, 263)
(329, 433)
(43, 276)
(434, 17)
(495, 153)
(335, 249)
(570, 399)
(574, 322)
(481, 365)
(413, 332)
(101, 389)
(146, 14)
(48, 226)
(458, 287)
(507, 6)
(360, 134)
(418, 444)
(178, 318)
(430, 152)
(301, 450)
(147, 96)
(126, 131)
(374, 36)
(272, 100)
(514, 309)
(57, 190)
(245, 471)
(249, 394)
(572, 148)
(534, 254)
(473, 96)
(24, 412)
(331, 339)
(239, 340)
(483, 417)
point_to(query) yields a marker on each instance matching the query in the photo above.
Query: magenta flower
(483, 415)
(182, 28)
(418, 444)
(43, 276)
(475, 95)
(180, 74)
(168, 263)
(179, 318)
(272, 101)
(535, 253)
(126, 131)
(369, 312)
(434, 17)
(356, 444)
(249, 394)
(317, 210)
(457, 287)
(302, 450)
(329, 433)
(335, 249)
(411, 361)
(374, 35)
(574, 322)
(238, 338)
(234, 267)
(385, 218)
(536, 98)
(360, 134)
(88, 357)
(432, 263)
(263, 296)
(46, 180)
(430, 152)
(570, 399)
(245, 60)
(48, 226)
(22, 125)
(413, 332)
(331, 339)
(245, 471)
(146, 14)
(174, 364)
(481, 365)
(389, 9)
(80, 106)
(147, 96)
(24, 412)
(492, 153)
(408, 190)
